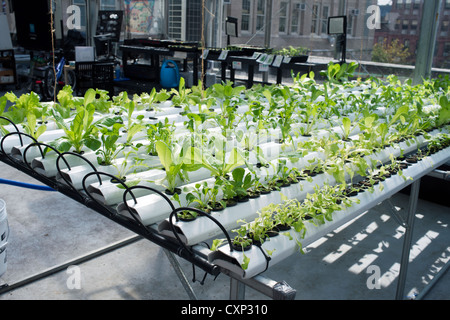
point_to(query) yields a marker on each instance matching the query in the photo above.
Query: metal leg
(409, 225)
(184, 281)
(237, 290)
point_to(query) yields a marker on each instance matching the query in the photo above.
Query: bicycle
(53, 84)
(42, 80)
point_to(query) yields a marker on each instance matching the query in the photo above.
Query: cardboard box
(6, 76)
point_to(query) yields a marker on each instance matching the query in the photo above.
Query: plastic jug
(169, 75)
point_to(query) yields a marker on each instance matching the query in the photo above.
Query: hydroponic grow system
(343, 132)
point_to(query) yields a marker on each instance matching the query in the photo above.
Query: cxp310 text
(246, 309)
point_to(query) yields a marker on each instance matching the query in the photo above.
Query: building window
(315, 18)
(399, 4)
(295, 19)
(324, 19)
(416, 4)
(108, 5)
(447, 4)
(407, 43)
(405, 25)
(260, 15)
(446, 52)
(82, 5)
(444, 26)
(407, 4)
(245, 17)
(282, 27)
(350, 25)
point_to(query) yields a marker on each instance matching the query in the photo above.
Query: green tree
(392, 52)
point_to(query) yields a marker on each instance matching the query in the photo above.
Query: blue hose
(26, 185)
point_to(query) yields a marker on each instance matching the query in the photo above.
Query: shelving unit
(7, 67)
(146, 209)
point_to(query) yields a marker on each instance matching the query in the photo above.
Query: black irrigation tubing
(148, 234)
(202, 213)
(69, 191)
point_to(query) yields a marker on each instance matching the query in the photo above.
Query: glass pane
(441, 50)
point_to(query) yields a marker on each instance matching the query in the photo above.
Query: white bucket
(4, 235)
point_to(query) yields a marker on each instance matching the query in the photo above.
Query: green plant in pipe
(175, 160)
(204, 196)
(161, 130)
(216, 160)
(226, 91)
(129, 163)
(99, 99)
(180, 96)
(31, 126)
(67, 102)
(338, 73)
(22, 105)
(82, 130)
(151, 100)
(227, 118)
(286, 111)
(109, 149)
(133, 125)
(444, 112)
(241, 182)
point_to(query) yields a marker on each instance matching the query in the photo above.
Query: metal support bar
(270, 288)
(181, 275)
(441, 174)
(413, 198)
(9, 287)
(396, 214)
(237, 289)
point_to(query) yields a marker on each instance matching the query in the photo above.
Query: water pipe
(26, 185)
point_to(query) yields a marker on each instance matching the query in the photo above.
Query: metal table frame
(198, 255)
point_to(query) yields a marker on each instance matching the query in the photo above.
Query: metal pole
(237, 290)
(8, 287)
(427, 40)
(267, 32)
(184, 281)
(413, 198)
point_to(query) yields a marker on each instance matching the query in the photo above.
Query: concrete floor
(49, 229)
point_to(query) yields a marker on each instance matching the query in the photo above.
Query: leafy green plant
(133, 125)
(67, 103)
(31, 126)
(217, 161)
(109, 148)
(82, 130)
(130, 162)
(205, 196)
(22, 105)
(180, 96)
(444, 111)
(241, 182)
(172, 157)
(99, 99)
(162, 131)
(337, 73)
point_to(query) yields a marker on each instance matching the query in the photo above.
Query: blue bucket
(169, 75)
